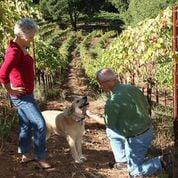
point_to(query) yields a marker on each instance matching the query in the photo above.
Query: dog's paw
(83, 158)
(79, 161)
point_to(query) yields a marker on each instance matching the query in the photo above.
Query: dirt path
(95, 143)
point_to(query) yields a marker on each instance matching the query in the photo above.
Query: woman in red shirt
(17, 77)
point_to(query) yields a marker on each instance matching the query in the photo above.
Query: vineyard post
(175, 73)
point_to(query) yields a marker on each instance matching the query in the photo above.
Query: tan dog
(70, 123)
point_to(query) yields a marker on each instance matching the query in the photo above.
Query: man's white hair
(25, 27)
(106, 74)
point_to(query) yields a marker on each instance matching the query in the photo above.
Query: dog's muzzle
(85, 102)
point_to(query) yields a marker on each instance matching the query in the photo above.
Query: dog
(69, 123)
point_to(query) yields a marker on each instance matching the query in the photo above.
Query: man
(128, 127)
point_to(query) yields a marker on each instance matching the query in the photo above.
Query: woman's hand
(14, 90)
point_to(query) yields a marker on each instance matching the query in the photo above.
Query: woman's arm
(12, 57)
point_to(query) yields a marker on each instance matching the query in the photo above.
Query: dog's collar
(81, 119)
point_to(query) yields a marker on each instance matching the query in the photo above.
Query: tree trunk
(73, 16)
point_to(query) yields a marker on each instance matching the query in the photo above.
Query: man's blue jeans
(133, 150)
(30, 119)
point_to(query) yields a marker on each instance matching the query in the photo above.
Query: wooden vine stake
(175, 73)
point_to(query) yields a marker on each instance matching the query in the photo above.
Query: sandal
(46, 167)
(26, 160)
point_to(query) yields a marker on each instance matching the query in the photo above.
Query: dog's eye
(77, 101)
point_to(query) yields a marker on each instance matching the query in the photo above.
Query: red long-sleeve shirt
(17, 68)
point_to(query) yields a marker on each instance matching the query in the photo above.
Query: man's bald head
(106, 74)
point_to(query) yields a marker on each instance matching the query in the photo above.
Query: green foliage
(64, 11)
(10, 12)
(103, 40)
(50, 58)
(53, 9)
(144, 51)
(140, 10)
(47, 57)
(91, 7)
(107, 16)
(86, 56)
(120, 5)
(8, 119)
(65, 49)
(57, 38)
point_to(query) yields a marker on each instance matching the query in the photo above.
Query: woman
(17, 77)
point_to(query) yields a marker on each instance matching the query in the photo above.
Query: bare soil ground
(95, 143)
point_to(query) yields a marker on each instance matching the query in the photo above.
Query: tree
(69, 10)
(120, 5)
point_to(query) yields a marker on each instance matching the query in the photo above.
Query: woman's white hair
(106, 74)
(25, 27)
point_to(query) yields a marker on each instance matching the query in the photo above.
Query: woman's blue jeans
(133, 150)
(31, 122)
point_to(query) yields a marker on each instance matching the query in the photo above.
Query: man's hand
(88, 113)
(95, 117)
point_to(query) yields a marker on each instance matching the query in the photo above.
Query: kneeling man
(128, 127)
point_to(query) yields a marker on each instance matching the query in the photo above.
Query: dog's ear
(85, 97)
(71, 108)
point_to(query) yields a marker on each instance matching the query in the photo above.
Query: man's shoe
(118, 165)
(136, 176)
(167, 161)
